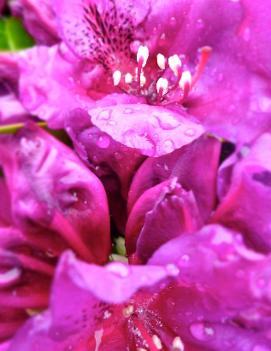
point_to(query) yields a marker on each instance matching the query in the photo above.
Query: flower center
(167, 80)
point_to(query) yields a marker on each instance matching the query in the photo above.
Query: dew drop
(172, 269)
(190, 132)
(103, 141)
(128, 111)
(201, 332)
(169, 145)
(173, 21)
(103, 115)
(119, 269)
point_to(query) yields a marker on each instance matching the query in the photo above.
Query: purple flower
(49, 202)
(212, 71)
(183, 299)
(39, 19)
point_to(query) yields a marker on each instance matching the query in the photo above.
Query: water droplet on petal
(119, 269)
(201, 332)
(172, 269)
(169, 146)
(173, 21)
(103, 115)
(128, 110)
(103, 141)
(190, 132)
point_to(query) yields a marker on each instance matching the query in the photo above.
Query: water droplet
(128, 110)
(167, 121)
(172, 269)
(201, 332)
(103, 115)
(185, 258)
(173, 21)
(200, 23)
(169, 145)
(190, 132)
(118, 268)
(103, 141)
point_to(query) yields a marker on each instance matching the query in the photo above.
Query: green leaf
(13, 36)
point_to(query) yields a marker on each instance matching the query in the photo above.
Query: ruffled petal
(244, 188)
(200, 157)
(160, 214)
(54, 195)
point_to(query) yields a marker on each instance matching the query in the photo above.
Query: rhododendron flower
(49, 202)
(183, 299)
(190, 66)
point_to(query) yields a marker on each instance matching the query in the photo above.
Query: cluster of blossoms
(148, 123)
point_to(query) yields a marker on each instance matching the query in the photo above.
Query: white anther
(128, 78)
(161, 61)
(162, 86)
(175, 64)
(157, 342)
(186, 80)
(177, 344)
(142, 54)
(116, 77)
(142, 80)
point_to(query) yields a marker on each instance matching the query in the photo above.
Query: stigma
(162, 80)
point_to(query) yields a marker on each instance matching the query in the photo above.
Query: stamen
(185, 82)
(161, 61)
(116, 77)
(128, 78)
(142, 55)
(157, 342)
(177, 344)
(175, 64)
(204, 56)
(162, 87)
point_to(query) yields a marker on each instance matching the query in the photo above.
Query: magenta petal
(245, 193)
(54, 195)
(44, 96)
(199, 157)
(160, 214)
(102, 22)
(80, 304)
(39, 19)
(154, 131)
